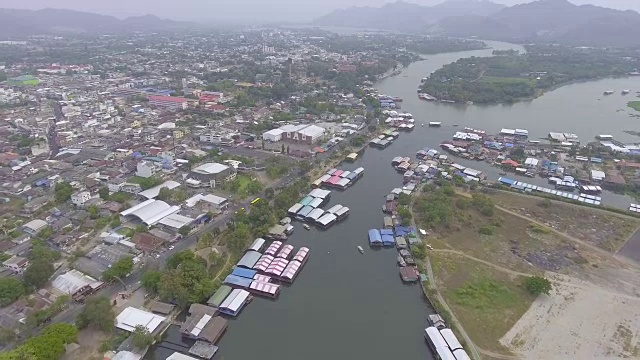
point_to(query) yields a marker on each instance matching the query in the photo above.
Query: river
(347, 305)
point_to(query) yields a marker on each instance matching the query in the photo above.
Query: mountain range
(537, 21)
(15, 22)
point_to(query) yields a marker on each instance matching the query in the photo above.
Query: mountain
(550, 21)
(15, 22)
(403, 16)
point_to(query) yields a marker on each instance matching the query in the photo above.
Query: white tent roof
(176, 221)
(71, 281)
(151, 211)
(155, 191)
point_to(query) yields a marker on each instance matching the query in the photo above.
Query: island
(509, 77)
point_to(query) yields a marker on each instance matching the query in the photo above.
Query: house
(33, 227)
(115, 184)
(169, 102)
(80, 198)
(273, 135)
(146, 169)
(130, 318)
(16, 264)
(130, 188)
(213, 174)
(147, 242)
(306, 134)
(207, 202)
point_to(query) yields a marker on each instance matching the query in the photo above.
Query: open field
(608, 231)
(487, 302)
(578, 321)
(635, 105)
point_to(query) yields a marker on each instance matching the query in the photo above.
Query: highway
(69, 315)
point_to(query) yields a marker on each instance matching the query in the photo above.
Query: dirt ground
(579, 320)
(90, 341)
(606, 230)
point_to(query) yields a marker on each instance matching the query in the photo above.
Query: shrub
(537, 285)
(487, 230)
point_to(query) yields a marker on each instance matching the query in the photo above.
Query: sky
(237, 10)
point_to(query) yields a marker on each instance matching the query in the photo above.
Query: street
(221, 221)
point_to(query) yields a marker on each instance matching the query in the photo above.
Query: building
(146, 169)
(168, 102)
(131, 317)
(16, 264)
(131, 188)
(33, 227)
(214, 174)
(207, 202)
(273, 135)
(151, 211)
(80, 198)
(305, 134)
(115, 184)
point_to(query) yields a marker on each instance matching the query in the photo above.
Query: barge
(234, 303)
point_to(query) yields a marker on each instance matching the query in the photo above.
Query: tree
(141, 338)
(63, 192)
(103, 192)
(537, 285)
(164, 194)
(50, 345)
(282, 150)
(93, 211)
(38, 273)
(184, 230)
(3, 76)
(151, 280)
(10, 290)
(96, 313)
(120, 269)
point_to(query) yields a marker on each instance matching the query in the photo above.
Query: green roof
(219, 296)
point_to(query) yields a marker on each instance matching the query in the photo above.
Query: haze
(242, 10)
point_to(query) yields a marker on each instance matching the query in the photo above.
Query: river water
(347, 305)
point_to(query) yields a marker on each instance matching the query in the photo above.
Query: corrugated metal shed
(249, 259)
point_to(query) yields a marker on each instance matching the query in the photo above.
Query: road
(220, 222)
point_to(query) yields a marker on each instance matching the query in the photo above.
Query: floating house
(334, 208)
(409, 274)
(257, 244)
(263, 263)
(342, 213)
(265, 289)
(277, 267)
(302, 255)
(249, 259)
(375, 239)
(272, 249)
(326, 220)
(218, 297)
(293, 211)
(234, 303)
(291, 271)
(314, 215)
(304, 212)
(237, 281)
(316, 202)
(285, 252)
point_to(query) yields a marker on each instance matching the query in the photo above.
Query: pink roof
(263, 263)
(277, 266)
(334, 179)
(264, 287)
(167, 98)
(285, 251)
(273, 248)
(301, 254)
(338, 173)
(291, 270)
(262, 278)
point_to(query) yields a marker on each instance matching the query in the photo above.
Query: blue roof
(351, 176)
(306, 200)
(238, 281)
(305, 211)
(506, 181)
(386, 232)
(245, 273)
(374, 236)
(388, 240)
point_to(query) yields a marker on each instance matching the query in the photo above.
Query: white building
(131, 317)
(16, 264)
(80, 198)
(273, 135)
(33, 227)
(146, 169)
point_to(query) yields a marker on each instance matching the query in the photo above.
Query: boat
(401, 261)
(625, 92)
(360, 249)
(608, 92)
(306, 227)
(455, 125)
(421, 124)
(435, 123)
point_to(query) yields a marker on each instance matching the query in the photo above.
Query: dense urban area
(150, 185)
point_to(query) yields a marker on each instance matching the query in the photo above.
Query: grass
(487, 302)
(635, 105)
(506, 80)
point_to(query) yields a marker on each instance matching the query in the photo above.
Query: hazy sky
(232, 10)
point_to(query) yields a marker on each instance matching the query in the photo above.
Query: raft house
(234, 303)
(375, 238)
(522, 186)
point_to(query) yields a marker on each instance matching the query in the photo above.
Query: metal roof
(131, 317)
(210, 168)
(249, 259)
(153, 192)
(151, 211)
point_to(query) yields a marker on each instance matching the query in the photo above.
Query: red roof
(510, 162)
(167, 98)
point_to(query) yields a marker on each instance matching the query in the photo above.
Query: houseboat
(293, 211)
(234, 303)
(302, 214)
(352, 157)
(359, 172)
(326, 220)
(435, 124)
(625, 92)
(266, 289)
(608, 92)
(342, 213)
(314, 215)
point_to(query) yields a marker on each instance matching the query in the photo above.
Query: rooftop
(210, 168)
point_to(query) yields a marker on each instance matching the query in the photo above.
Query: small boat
(421, 124)
(401, 261)
(625, 92)
(361, 249)
(608, 92)
(306, 227)
(455, 124)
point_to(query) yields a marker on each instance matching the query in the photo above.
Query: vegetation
(141, 338)
(146, 183)
(537, 285)
(175, 196)
(487, 230)
(185, 279)
(38, 273)
(512, 77)
(41, 316)
(635, 105)
(11, 289)
(97, 314)
(63, 192)
(119, 270)
(48, 346)
(243, 185)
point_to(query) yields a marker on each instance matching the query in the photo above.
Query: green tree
(141, 338)
(151, 280)
(120, 269)
(103, 192)
(7, 336)
(165, 194)
(40, 251)
(96, 313)
(179, 258)
(11, 289)
(93, 211)
(184, 230)
(537, 285)
(38, 273)
(3, 76)
(50, 345)
(63, 192)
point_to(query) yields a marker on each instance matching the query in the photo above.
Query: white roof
(275, 132)
(131, 317)
(36, 224)
(327, 218)
(597, 174)
(176, 221)
(210, 168)
(291, 128)
(155, 191)
(210, 198)
(71, 281)
(291, 270)
(125, 355)
(151, 211)
(235, 300)
(178, 356)
(312, 130)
